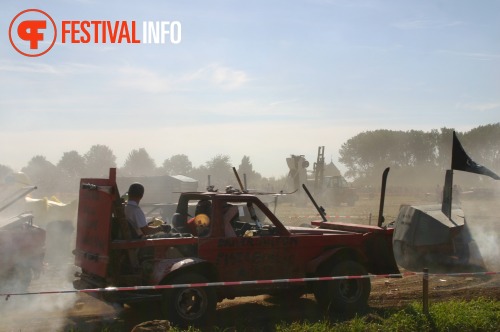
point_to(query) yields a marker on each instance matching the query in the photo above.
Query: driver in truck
(200, 224)
(136, 218)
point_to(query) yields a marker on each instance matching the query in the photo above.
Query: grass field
(475, 315)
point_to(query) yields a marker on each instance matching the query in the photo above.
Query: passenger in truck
(136, 218)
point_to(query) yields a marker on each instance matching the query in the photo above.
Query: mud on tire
(344, 295)
(191, 305)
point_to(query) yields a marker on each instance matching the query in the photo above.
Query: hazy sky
(260, 78)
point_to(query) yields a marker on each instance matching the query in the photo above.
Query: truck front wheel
(344, 295)
(191, 305)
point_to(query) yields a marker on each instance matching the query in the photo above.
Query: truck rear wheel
(191, 305)
(344, 295)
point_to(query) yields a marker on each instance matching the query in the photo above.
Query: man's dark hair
(203, 206)
(136, 190)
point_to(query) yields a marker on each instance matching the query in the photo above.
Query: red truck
(244, 241)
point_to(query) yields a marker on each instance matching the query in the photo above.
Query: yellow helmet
(202, 220)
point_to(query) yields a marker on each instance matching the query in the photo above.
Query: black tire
(344, 295)
(190, 306)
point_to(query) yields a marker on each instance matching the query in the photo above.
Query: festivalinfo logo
(33, 32)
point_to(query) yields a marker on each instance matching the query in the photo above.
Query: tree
(139, 163)
(368, 151)
(245, 169)
(72, 164)
(99, 159)
(483, 145)
(443, 147)
(43, 174)
(178, 164)
(220, 171)
(71, 168)
(201, 174)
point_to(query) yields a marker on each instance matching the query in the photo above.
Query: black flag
(462, 162)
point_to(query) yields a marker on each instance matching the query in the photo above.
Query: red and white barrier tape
(250, 282)
(328, 216)
(461, 274)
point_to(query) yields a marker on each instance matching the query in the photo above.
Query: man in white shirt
(135, 216)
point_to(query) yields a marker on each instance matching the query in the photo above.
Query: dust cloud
(36, 241)
(483, 219)
(17, 311)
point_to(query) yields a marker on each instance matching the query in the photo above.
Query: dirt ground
(80, 312)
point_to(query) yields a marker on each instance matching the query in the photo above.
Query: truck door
(251, 254)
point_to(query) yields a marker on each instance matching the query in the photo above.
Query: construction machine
(326, 180)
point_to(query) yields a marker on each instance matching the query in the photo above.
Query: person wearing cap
(135, 216)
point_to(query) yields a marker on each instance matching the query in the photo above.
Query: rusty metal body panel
(376, 245)
(425, 237)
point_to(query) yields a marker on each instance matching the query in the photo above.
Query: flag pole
(447, 193)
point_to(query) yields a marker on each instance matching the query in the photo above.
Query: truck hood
(304, 230)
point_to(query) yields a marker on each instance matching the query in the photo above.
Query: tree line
(64, 176)
(413, 153)
(415, 157)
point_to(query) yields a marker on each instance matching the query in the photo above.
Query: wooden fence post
(425, 291)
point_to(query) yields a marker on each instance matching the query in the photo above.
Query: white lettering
(175, 32)
(155, 32)
(164, 31)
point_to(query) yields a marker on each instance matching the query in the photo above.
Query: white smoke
(39, 312)
(29, 309)
(484, 223)
(487, 239)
